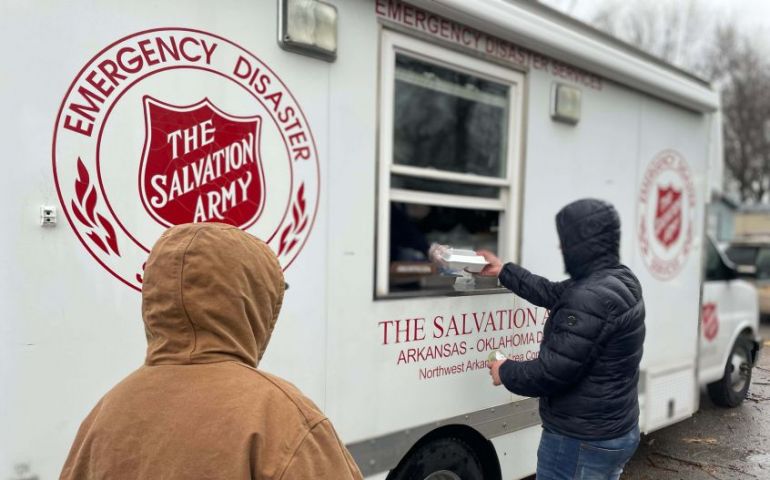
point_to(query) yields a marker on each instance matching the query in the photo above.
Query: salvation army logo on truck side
(710, 321)
(666, 214)
(172, 126)
(200, 164)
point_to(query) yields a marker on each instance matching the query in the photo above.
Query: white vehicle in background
(463, 123)
(729, 342)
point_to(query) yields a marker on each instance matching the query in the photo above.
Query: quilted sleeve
(565, 356)
(533, 288)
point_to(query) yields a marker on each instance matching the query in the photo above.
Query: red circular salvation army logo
(666, 214)
(710, 321)
(172, 126)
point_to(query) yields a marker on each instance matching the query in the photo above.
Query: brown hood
(211, 293)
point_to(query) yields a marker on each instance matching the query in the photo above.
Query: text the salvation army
(207, 170)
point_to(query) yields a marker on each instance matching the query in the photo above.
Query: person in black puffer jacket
(587, 371)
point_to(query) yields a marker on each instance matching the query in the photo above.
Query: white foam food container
(457, 259)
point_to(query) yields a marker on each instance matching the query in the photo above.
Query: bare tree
(691, 37)
(743, 74)
(677, 32)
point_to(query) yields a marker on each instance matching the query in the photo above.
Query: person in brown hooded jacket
(198, 408)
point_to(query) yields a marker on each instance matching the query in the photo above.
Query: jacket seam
(297, 449)
(285, 393)
(181, 296)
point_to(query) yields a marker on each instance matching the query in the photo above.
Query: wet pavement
(716, 443)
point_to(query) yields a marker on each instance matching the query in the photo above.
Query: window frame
(508, 203)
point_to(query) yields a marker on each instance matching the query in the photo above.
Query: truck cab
(729, 341)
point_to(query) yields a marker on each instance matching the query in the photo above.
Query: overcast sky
(750, 14)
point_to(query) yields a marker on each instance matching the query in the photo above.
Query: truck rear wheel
(441, 459)
(731, 389)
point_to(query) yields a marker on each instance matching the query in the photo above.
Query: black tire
(731, 389)
(440, 459)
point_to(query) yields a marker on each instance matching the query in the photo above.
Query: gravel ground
(716, 443)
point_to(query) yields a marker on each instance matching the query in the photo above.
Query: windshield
(742, 255)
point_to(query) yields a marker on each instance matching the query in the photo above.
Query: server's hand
(494, 265)
(494, 371)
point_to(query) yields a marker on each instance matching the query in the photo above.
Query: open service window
(449, 162)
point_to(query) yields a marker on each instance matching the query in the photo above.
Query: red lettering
(133, 65)
(110, 70)
(92, 99)
(394, 10)
(186, 41)
(385, 324)
(489, 45)
(467, 37)
(285, 115)
(171, 49)
(293, 125)
(261, 87)
(467, 332)
(438, 327)
(242, 62)
(477, 37)
(490, 323)
(275, 99)
(297, 138)
(453, 326)
(456, 33)
(98, 84)
(78, 127)
(433, 24)
(519, 317)
(478, 321)
(408, 15)
(419, 329)
(445, 26)
(531, 317)
(148, 52)
(301, 153)
(419, 19)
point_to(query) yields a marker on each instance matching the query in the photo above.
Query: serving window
(448, 165)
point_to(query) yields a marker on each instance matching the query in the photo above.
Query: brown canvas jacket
(198, 408)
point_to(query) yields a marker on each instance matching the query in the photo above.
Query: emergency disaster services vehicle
(350, 135)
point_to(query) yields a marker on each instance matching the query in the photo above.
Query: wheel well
(483, 448)
(747, 332)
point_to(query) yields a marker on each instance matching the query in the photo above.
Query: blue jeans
(565, 458)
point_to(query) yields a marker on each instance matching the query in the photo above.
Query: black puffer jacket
(588, 368)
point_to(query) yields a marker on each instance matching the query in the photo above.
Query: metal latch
(48, 216)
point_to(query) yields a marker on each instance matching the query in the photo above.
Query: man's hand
(493, 267)
(494, 371)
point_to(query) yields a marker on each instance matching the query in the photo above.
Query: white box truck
(350, 136)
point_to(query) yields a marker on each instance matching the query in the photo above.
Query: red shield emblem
(710, 321)
(668, 216)
(200, 164)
